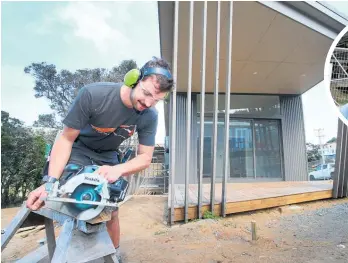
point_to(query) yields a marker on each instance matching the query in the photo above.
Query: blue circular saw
(86, 194)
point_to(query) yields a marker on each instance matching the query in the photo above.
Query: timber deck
(242, 197)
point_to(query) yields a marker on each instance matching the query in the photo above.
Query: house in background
(278, 53)
(329, 150)
(251, 62)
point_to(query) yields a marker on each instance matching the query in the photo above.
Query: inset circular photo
(336, 75)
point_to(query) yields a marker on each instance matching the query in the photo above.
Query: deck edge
(253, 205)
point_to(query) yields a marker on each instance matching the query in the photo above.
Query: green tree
(60, 88)
(22, 160)
(48, 134)
(48, 121)
(313, 152)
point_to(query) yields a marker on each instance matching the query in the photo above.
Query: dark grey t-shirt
(105, 122)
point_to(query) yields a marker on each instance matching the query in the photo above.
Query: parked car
(323, 172)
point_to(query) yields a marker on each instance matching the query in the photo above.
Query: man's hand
(34, 201)
(110, 173)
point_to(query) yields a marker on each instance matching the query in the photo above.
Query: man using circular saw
(101, 117)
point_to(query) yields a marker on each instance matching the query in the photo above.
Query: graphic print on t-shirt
(130, 129)
(103, 130)
(123, 131)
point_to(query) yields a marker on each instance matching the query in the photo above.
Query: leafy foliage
(47, 121)
(22, 160)
(210, 215)
(60, 88)
(313, 152)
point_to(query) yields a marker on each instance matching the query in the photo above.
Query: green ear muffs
(132, 77)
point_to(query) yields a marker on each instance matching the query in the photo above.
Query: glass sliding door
(207, 156)
(208, 148)
(241, 149)
(254, 149)
(267, 149)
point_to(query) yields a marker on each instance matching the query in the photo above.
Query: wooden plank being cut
(251, 205)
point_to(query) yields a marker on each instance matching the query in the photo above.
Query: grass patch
(210, 215)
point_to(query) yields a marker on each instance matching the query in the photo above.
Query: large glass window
(254, 149)
(241, 149)
(207, 156)
(267, 149)
(248, 105)
(208, 148)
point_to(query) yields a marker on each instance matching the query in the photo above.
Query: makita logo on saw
(92, 179)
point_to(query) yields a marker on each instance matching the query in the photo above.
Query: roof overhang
(278, 47)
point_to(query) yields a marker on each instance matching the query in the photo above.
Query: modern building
(329, 150)
(278, 53)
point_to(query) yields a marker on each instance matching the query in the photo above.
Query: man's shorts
(81, 156)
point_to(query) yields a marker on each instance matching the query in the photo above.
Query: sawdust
(145, 237)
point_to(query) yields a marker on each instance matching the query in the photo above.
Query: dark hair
(165, 84)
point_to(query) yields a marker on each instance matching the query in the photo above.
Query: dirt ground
(311, 232)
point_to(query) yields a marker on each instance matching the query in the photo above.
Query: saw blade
(83, 194)
(90, 213)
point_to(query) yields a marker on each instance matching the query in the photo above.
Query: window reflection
(256, 105)
(254, 149)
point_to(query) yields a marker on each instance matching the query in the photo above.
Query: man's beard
(133, 101)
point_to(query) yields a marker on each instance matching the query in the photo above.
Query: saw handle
(90, 168)
(118, 189)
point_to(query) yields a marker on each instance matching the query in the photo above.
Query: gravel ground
(320, 235)
(321, 225)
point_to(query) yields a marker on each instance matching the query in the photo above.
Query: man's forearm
(139, 163)
(59, 156)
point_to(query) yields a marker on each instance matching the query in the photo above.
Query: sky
(76, 35)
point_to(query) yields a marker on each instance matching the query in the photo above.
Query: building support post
(227, 112)
(216, 102)
(172, 152)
